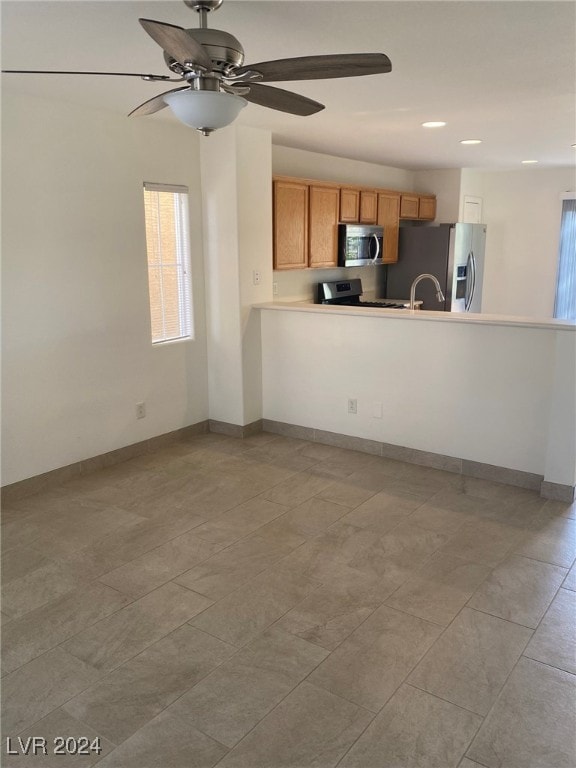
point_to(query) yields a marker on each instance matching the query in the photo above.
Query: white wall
(77, 355)
(522, 211)
(299, 283)
(485, 393)
(445, 184)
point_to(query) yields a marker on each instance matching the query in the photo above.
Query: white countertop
(421, 315)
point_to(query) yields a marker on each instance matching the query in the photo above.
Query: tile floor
(275, 603)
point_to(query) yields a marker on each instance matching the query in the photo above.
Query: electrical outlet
(352, 405)
(140, 410)
(256, 277)
(377, 410)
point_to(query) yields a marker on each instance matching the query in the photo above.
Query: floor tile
(73, 529)
(37, 688)
(131, 541)
(227, 570)
(311, 727)
(240, 617)
(19, 562)
(167, 741)
(42, 585)
(519, 590)
(303, 522)
(240, 521)
(554, 642)
(31, 635)
(127, 698)
(412, 731)
(406, 546)
(154, 568)
(434, 518)
(228, 703)
(555, 543)
(116, 639)
(532, 723)
(332, 612)
(438, 590)
(321, 587)
(484, 541)
(18, 533)
(59, 724)
(376, 658)
(297, 489)
(383, 511)
(345, 493)
(325, 557)
(470, 663)
(570, 580)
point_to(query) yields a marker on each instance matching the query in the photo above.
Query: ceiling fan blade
(284, 101)
(177, 43)
(320, 67)
(68, 72)
(155, 104)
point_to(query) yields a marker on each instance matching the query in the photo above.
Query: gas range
(348, 292)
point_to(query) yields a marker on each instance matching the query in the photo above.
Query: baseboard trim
(494, 473)
(38, 483)
(558, 492)
(454, 464)
(235, 430)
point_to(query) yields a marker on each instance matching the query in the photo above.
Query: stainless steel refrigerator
(453, 253)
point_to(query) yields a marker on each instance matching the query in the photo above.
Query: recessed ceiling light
(471, 141)
(574, 145)
(434, 124)
(529, 162)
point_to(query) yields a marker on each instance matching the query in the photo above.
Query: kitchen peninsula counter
(421, 315)
(493, 396)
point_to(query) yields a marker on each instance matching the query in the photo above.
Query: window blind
(168, 253)
(565, 305)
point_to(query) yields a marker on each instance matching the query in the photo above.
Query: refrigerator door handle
(471, 281)
(375, 259)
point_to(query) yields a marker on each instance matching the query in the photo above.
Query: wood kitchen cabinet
(409, 205)
(349, 205)
(389, 218)
(368, 206)
(418, 207)
(427, 208)
(290, 224)
(307, 212)
(324, 211)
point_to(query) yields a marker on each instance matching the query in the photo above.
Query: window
(565, 306)
(168, 249)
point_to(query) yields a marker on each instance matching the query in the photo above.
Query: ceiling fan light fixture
(205, 110)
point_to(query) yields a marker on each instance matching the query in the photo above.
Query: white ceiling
(503, 72)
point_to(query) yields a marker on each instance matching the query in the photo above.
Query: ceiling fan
(218, 84)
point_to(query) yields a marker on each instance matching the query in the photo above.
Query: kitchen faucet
(439, 294)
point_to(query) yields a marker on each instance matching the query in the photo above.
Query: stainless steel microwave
(360, 245)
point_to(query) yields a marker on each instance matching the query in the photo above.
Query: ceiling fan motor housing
(222, 47)
(204, 5)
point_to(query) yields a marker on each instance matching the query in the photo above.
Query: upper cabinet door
(350, 205)
(409, 207)
(290, 225)
(324, 214)
(427, 208)
(368, 206)
(389, 218)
